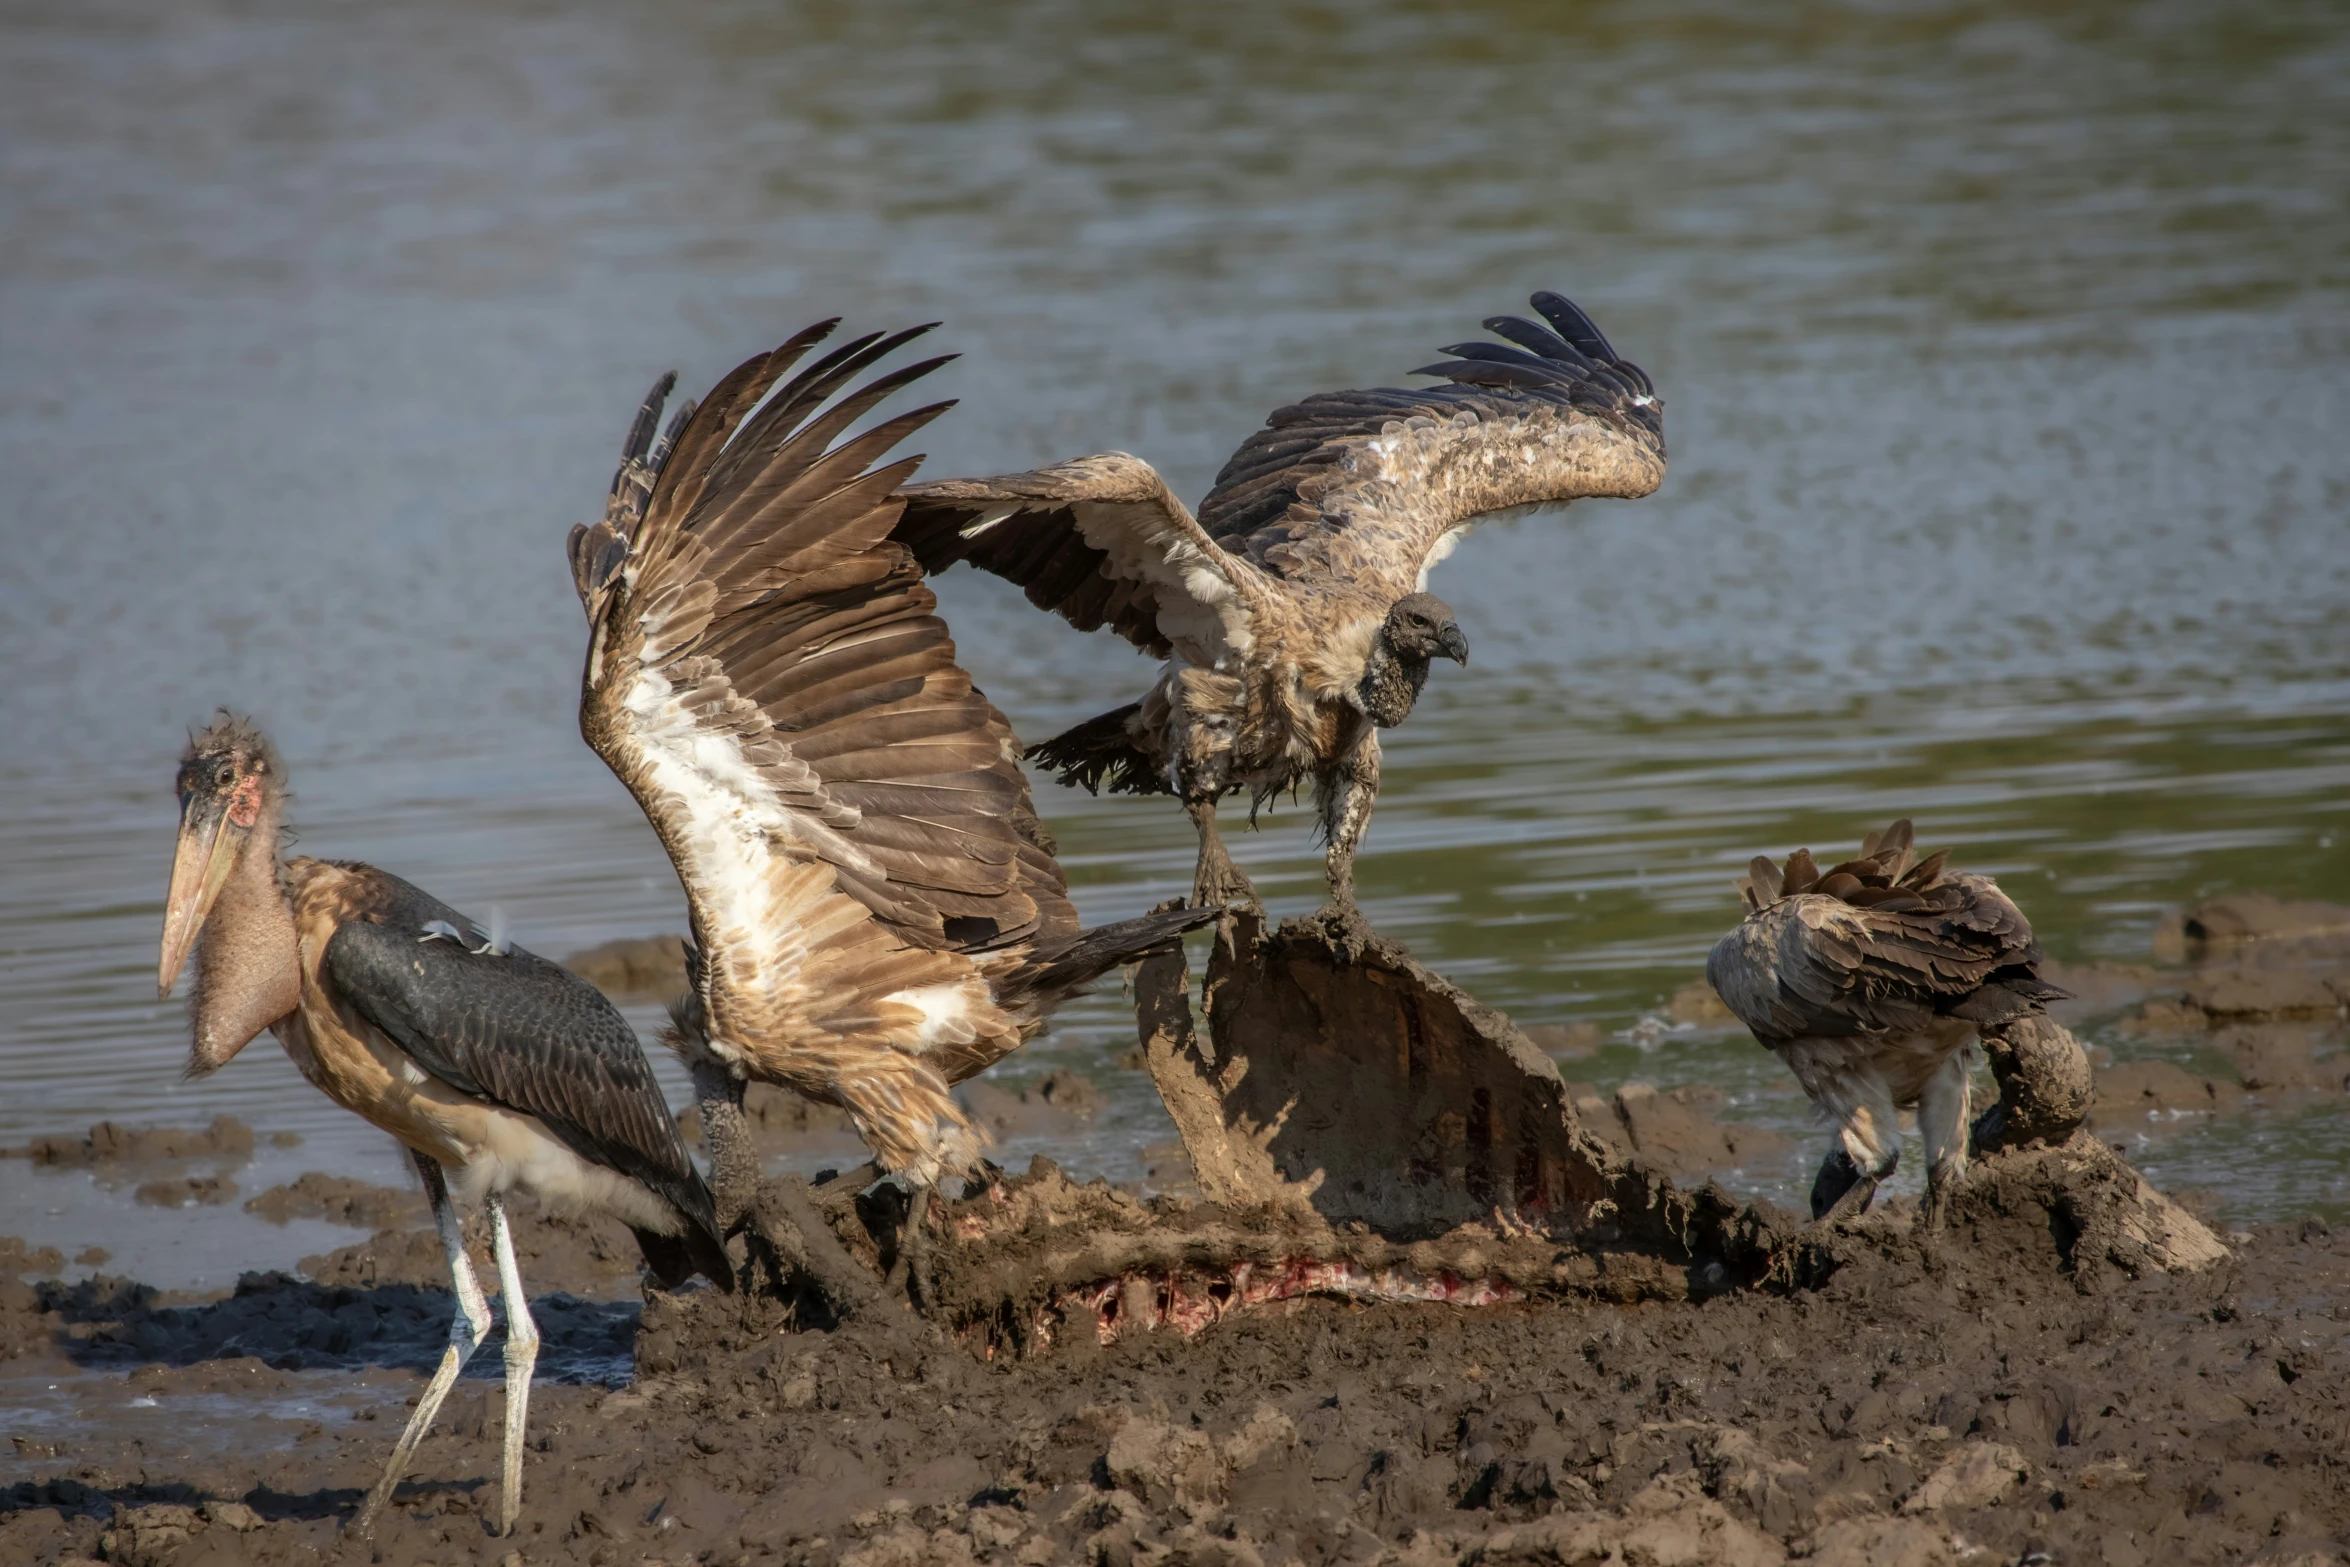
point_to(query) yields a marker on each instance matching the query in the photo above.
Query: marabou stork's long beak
(211, 838)
(1455, 645)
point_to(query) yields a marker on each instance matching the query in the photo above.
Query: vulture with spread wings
(1293, 611)
(876, 912)
(1870, 982)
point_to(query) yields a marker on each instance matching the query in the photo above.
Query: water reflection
(2002, 352)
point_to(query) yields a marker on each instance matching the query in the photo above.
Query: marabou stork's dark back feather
(523, 1033)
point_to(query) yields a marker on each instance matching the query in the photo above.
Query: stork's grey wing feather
(518, 1031)
(1100, 541)
(1812, 966)
(1375, 486)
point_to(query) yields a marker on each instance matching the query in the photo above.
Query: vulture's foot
(1217, 883)
(1344, 927)
(1851, 1205)
(1841, 1190)
(1934, 1212)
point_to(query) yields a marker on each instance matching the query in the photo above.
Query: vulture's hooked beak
(1453, 644)
(213, 831)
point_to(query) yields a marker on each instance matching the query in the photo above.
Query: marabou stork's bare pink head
(230, 782)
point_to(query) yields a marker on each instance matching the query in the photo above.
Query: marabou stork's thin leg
(470, 1327)
(522, 1354)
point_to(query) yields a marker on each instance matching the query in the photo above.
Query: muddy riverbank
(1972, 1403)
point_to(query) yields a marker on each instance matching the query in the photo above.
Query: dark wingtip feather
(1535, 339)
(648, 418)
(1573, 325)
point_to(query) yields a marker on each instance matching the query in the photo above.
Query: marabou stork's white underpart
(498, 1070)
(876, 911)
(1871, 982)
(1293, 611)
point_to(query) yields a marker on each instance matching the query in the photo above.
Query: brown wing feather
(1814, 966)
(1099, 540)
(1368, 486)
(768, 675)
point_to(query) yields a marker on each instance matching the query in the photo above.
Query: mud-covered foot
(1218, 883)
(1343, 925)
(1841, 1190)
(1934, 1212)
(1851, 1205)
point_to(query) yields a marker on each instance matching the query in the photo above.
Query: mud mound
(1909, 1401)
(227, 1138)
(646, 968)
(1361, 1129)
(1675, 1130)
(1912, 1406)
(338, 1199)
(585, 1254)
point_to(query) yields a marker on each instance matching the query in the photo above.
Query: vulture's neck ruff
(1391, 683)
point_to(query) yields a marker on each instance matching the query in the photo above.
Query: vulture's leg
(1942, 1118)
(522, 1356)
(470, 1327)
(1217, 881)
(726, 1137)
(1868, 1144)
(1837, 1176)
(1202, 719)
(1343, 796)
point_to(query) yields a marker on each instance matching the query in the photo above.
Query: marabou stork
(876, 912)
(1293, 611)
(1871, 982)
(491, 1065)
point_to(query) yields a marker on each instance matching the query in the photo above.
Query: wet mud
(1520, 1343)
(1993, 1394)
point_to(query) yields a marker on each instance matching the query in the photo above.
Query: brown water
(2004, 351)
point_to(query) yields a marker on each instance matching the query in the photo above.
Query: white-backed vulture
(876, 912)
(1871, 982)
(1293, 610)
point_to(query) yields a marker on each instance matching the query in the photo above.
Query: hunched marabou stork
(1871, 982)
(876, 912)
(497, 1070)
(1293, 612)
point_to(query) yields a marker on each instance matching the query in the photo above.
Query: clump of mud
(647, 968)
(227, 1138)
(338, 1199)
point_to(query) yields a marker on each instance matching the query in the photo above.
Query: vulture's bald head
(1420, 626)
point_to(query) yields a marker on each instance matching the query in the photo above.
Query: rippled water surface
(2004, 351)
